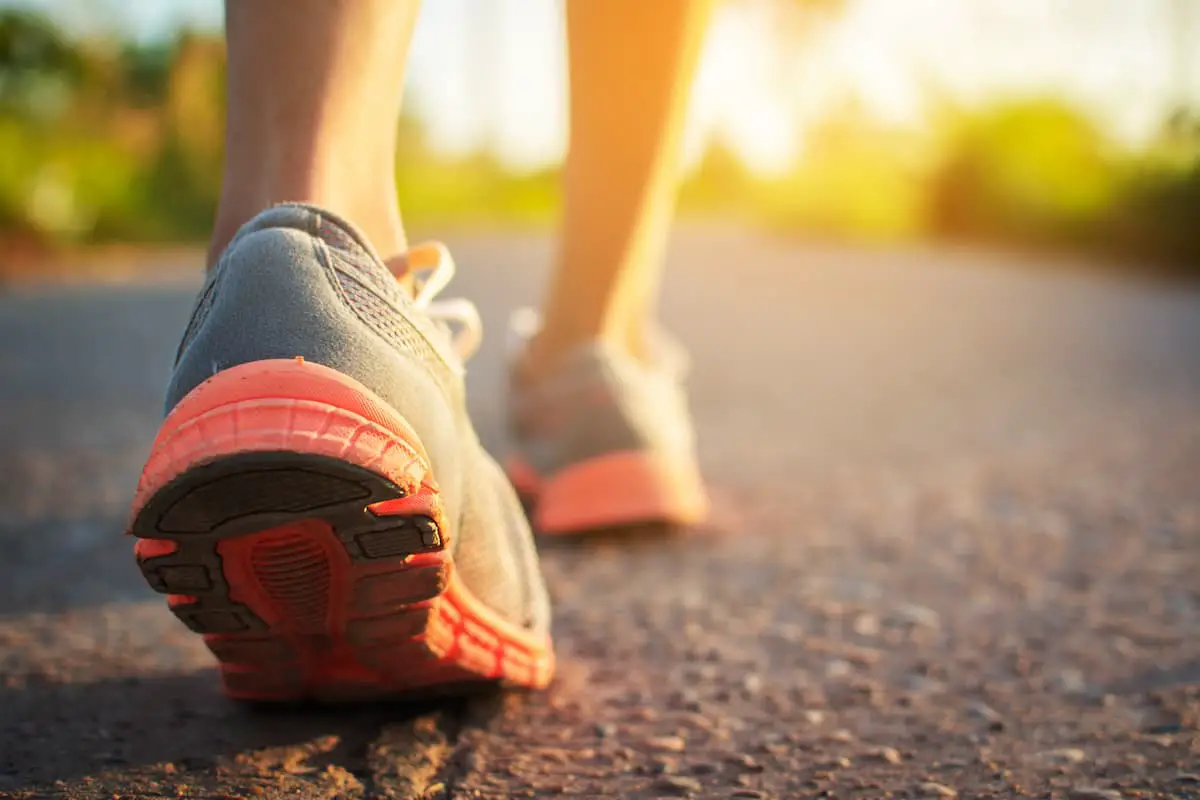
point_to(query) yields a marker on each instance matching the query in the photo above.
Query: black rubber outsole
(244, 494)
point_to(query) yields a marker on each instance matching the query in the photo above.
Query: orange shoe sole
(611, 491)
(292, 519)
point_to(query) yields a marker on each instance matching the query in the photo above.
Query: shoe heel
(294, 522)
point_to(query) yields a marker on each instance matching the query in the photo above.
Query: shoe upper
(599, 400)
(299, 281)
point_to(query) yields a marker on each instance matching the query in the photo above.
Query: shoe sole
(293, 520)
(610, 491)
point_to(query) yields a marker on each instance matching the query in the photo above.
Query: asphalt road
(956, 549)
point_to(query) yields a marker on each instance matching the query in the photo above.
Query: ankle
(547, 350)
(544, 352)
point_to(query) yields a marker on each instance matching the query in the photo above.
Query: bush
(100, 142)
(1158, 216)
(1028, 172)
(856, 180)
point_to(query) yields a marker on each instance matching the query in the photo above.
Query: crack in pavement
(428, 754)
(410, 760)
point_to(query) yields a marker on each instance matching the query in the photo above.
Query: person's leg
(314, 95)
(631, 65)
(317, 502)
(599, 418)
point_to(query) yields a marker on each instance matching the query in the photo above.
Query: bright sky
(494, 73)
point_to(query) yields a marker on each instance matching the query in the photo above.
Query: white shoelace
(433, 259)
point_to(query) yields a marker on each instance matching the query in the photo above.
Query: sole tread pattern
(308, 548)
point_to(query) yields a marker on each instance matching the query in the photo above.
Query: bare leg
(631, 67)
(314, 97)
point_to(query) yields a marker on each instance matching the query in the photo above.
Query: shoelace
(435, 261)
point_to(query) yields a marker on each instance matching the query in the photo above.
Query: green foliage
(475, 189)
(62, 187)
(721, 185)
(1034, 170)
(103, 142)
(36, 64)
(1158, 216)
(857, 179)
(1040, 173)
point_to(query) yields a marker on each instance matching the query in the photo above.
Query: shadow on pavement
(650, 536)
(54, 565)
(180, 725)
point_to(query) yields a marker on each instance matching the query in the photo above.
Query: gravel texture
(955, 554)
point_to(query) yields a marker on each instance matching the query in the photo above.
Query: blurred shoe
(317, 504)
(605, 440)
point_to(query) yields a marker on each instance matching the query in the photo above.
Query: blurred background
(1053, 124)
(957, 481)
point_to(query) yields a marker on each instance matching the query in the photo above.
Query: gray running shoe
(317, 504)
(605, 441)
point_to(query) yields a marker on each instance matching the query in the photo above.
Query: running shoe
(604, 440)
(316, 504)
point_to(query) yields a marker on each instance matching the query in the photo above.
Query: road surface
(956, 550)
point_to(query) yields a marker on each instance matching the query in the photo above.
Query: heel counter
(276, 297)
(267, 284)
